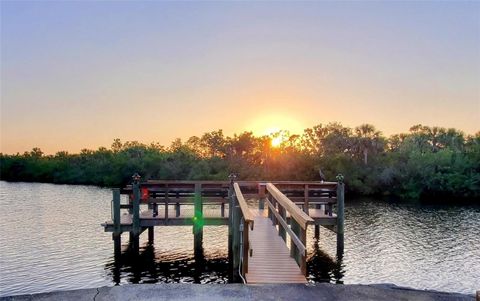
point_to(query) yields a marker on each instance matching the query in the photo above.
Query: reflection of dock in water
(323, 268)
(148, 265)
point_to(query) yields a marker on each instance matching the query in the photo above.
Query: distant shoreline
(212, 292)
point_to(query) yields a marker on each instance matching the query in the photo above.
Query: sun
(276, 141)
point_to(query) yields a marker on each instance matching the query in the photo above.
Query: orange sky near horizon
(75, 75)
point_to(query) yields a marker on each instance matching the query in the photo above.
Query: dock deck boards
(270, 261)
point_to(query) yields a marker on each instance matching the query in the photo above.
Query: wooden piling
(302, 255)
(246, 248)
(116, 211)
(269, 211)
(261, 195)
(198, 219)
(134, 242)
(151, 235)
(177, 209)
(306, 204)
(117, 245)
(136, 208)
(230, 227)
(317, 231)
(166, 206)
(281, 230)
(340, 216)
(236, 240)
(293, 250)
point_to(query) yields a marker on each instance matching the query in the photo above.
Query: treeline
(425, 162)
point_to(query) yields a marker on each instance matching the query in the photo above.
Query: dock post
(135, 233)
(306, 203)
(294, 252)
(231, 177)
(236, 239)
(116, 211)
(317, 231)
(295, 228)
(136, 204)
(340, 214)
(177, 209)
(167, 199)
(281, 230)
(198, 219)
(261, 195)
(151, 235)
(117, 244)
(134, 242)
(117, 233)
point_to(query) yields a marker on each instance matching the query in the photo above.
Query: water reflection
(58, 244)
(149, 265)
(321, 267)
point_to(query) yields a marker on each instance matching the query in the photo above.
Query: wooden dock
(257, 237)
(270, 261)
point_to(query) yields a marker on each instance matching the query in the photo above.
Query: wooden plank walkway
(270, 261)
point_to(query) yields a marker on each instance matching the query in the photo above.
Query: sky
(77, 75)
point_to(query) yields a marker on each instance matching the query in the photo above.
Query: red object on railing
(145, 194)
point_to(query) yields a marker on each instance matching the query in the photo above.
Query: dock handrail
(299, 221)
(241, 221)
(301, 217)
(247, 214)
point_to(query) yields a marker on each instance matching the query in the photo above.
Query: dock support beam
(236, 240)
(340, 215)
(136, 205)
(281, 230)
(198, 220)
(134, 243)
(116, 210)
(135, 233)
(230, 225)
(262, 195)
(117, 232)
(317, 231)
(117, 245)
(151, 235)
(294, 252)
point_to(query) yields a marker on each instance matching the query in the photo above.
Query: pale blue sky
(79, 74)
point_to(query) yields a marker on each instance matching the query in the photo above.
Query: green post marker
(198, 219)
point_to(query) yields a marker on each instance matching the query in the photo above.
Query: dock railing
(242, 222)
(278, 206)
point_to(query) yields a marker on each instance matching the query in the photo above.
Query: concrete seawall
(213, 292)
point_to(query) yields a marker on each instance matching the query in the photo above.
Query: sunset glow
(276, 141)
(273, 123)
(176, 69)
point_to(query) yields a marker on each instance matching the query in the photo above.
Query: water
(51, 240)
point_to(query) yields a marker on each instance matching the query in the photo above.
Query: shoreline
(212, 292)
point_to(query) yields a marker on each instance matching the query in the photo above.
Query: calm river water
(51, 239)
